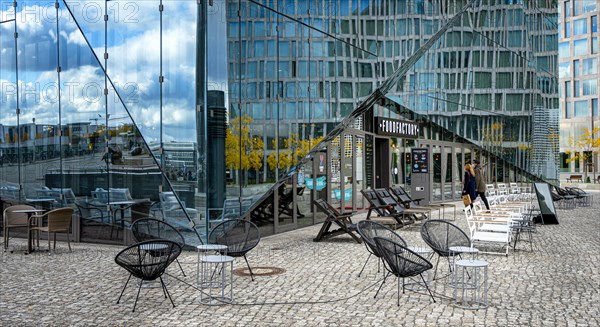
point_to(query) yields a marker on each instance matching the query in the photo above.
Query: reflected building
(298, 68)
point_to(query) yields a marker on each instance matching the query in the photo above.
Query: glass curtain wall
(196, 113)
(92, 91)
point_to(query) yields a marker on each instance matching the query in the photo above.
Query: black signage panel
(397, 128)
(420, 160)
(545, 203)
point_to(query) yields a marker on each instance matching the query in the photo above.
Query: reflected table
(30, 213)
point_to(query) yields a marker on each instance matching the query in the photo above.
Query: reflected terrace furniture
(148, 261)
(13, 219)
(54, 221)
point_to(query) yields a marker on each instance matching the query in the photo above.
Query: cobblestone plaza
(556, 284)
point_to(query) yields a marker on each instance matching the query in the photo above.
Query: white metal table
(216, 279)
(204, 249)
(471, 289)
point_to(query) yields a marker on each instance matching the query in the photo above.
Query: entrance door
(382, 163)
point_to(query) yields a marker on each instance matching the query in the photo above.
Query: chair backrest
(148, 260)
(491, 190)
(239, 235)
(375, 203)
(514, 188)
(386, 198)
(146, 229)
(401, 261)
(60, 219)
(440, 235)
(12, 218)
(231, 207)
(87, 210)
(368, 229)
(326, 208)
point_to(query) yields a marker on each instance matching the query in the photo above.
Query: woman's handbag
(466, 199)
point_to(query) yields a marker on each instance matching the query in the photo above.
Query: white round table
(471, 289)
(216, 279)
(205, 248)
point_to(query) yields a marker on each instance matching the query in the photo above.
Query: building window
(580, 26)
(567, 89)
(590, 87)
(576, 90)
(567, 8)
(564, 69)
(576, 69)
(569, 110)
(590, 66)
(580, 47)
(594, 45)
(589, 5)
(594, 24)
(595, 107)
(581, 109)
(577, 8)
(567, 29)
(564, 50)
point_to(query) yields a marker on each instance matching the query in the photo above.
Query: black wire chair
(402, 262)
(148, 261)
(147, 229)
(441, 235)
(239, 235)
(368, 230)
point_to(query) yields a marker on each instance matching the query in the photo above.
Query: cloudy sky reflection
(133, 45)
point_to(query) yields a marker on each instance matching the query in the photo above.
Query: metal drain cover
(258, 271)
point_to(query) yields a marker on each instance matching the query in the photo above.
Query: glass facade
(197, 112)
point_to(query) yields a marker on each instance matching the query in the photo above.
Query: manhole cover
(258, 271)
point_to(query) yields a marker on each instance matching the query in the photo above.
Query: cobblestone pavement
(556, 284)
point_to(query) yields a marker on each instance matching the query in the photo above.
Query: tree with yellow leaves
(293, 150)
(242, 150)
(585, 148)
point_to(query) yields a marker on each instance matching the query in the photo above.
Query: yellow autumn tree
(242, 150)
(585, 147)
(293, 150)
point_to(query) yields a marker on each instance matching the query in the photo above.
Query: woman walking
(469, 183)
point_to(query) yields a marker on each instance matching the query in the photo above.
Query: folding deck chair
(386, 198)
(386, 214)
(342, 220)
(409, 203)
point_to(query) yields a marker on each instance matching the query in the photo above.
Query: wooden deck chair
(342, 220)
(386, 197)
(385, 213)
(408, 202)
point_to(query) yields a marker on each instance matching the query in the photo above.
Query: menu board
(420, 160)
(368, 160)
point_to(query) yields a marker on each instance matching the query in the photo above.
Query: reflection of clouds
(133, 64)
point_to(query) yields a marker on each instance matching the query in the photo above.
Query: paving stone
(556, 284)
